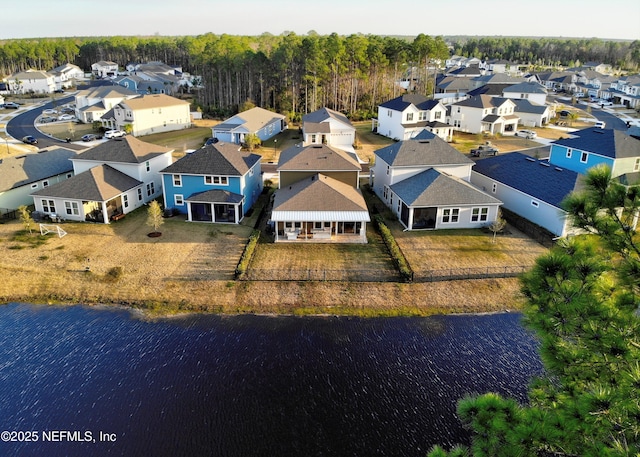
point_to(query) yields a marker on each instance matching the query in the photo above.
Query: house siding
(558, 157)
(289, 177)
(13, 198)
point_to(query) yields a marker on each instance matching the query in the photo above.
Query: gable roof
(527, 87)
(433, 188)
(321, 198)
(29, 168)
(152, 101)
(128, 149)
(404, 101)
(493, 90)
(252, 120)
(536, 178)
(215, 196)
(325, 114)
(216, 159)
(316, 157)
(525, 106)
(106, 92)
(611, 143)
(101, 183)
(483, 101)
(422, 152)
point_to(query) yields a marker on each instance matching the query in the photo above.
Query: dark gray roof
(128, 149)
(316, 157)
(223, 159)
(536, 178)
(319, 193)
(611, 143)
(525, 106)
(422, 152)
(432, 188)
(216, 196)
(324, 114)
(482, 101)
(494, 90)
(527, 88)
(100, 184)
(317, 127)
(404, 101)
(29, 168)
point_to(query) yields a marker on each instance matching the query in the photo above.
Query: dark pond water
(247, 385)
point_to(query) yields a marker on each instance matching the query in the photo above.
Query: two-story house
(67, 75)
(326, 126)
(425, 182)
(259, 121)
(110, 180)
(32, 81)
(404, 117)
(318, 197)
(92, 104)
(483, 113)
(148, 114)
(217, 183)
(104, 69)
(626, 91)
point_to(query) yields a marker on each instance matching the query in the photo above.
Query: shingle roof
(123, 150)
(252, 120)
(611, 143)
(422, 152)
(316, 157)
(483, 101)
(433, 188)
(152, 101)
(223, 159)
(525, 106)
(527, 88)
(419, 101)
(215, 196)
(320, 193)
(29, 168)
(533, 177)
(101, 183)
(494, 90)
(324, 114)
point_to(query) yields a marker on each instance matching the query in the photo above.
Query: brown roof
(152, 101)
(319, 193)
(316, 157)
(123, 150)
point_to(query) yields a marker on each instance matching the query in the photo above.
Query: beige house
(149, 114)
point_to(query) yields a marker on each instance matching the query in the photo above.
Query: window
(210, 180)
(148, 166)
(457, 123)
(450, 215)
(125, 200)
(150, 189)
(422, 116)
(313, 138)
(48, 206)
(45, 183)
(317, 225)
(288, 224)
(34, 185)
(409, 117)
(297, 225)
(178, 199)
(389, 113)
(583, 157)
(458, 109)
(569, 153)
(177, 181)
(479, 214)
(437, 115)
(387, 170)
(139, 194)
(494, 188)
(72, 208)
(385, 191)
(251, 172)
(636, 166)
(534, 203)
(69, 175)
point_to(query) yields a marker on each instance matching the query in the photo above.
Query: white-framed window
(177, 180)
(45, 183)
(251, 172)
(385, 192)
(535, 204)
(636, 166)
(437, 115)
(148, 166)
(569, 151)
(297, 225)
(584, 157)
(125, 200)
(457, 123)
(313, 138)
(422, 116)
(212, 180)
(48, 206)
(389, 113)
(139, 194)
(317, 225)
(409, 117)
(34, 185)
(72, 208)
(388, 170)
(69, 175)
(151, 189)
(399, 205)
(178, 199)
(450, 215)
(494, 187)
(479, 214)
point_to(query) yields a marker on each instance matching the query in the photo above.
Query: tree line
(294, 74)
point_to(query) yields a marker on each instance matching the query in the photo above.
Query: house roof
(29, 168)
(433, 188)
(216, 196)
(319, 198)
(494, 90)
(404, 101)
(316, 157)
(152, 101)
(422, 152)
(251, 120)
(483, 101)
(106, 92)
(30, 74)
(611, 143)
(497, 78)
(317, 127)
(224, 159)
(100, 183)
(128, 149)
(527, 87)
(325, 114)
(536, 178)
(525, 106)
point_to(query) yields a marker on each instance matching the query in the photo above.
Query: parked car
(29, 140)
(579, 94)
(47, 119)
(49, 111)
(529, 134)
(564, 113)
(114, 133)
(58, 91)
(211, 141)
(66, 117)
(11, 105)
(484, 150)
(600, 124)
(605, 102)
(89, 137)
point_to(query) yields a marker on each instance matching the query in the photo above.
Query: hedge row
(394, 250)
(245, 259)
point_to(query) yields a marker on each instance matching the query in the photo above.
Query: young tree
(582, 301)
(154, 216)
(25, 218)
(252, 140)
(497, 225)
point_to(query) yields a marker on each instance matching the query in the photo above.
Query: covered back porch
(215, 206)
(321, 231)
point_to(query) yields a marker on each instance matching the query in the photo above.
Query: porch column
(189, 212)
(105, 215)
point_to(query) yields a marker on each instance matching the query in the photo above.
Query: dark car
(29, 140)
(211, 141)
(564, 113)
(58, 91)
(11, 105)
(89, 137)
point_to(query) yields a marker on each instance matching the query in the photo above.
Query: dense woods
(295, 74)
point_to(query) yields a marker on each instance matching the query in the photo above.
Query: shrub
(394, 250)
(114, 274)
(249, 249)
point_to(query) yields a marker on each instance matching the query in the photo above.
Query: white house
(326, 126)
(626, 91)
(32, 81)
(404, 117)
(149, 114)
(532, 91)
(104, 69)
(66, 75)
(93, 103)
(484, 113)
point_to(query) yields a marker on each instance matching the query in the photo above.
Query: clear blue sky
(559, 18)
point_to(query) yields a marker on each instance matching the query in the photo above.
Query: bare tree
(498, 225)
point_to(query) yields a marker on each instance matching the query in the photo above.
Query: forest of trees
(294, 74)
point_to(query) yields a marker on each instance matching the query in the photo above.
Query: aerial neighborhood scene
(357, 238)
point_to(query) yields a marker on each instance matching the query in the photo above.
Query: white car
(66, 117)
(604, 102)
(529, 134)
(49, 111)
(114, 133)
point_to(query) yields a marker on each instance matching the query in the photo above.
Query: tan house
(93, 103)
(149, 114)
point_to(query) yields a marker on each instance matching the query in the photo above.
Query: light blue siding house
(218, 183)
(265, 124)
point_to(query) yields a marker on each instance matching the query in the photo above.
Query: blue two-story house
(594, 146)
(218, 183)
